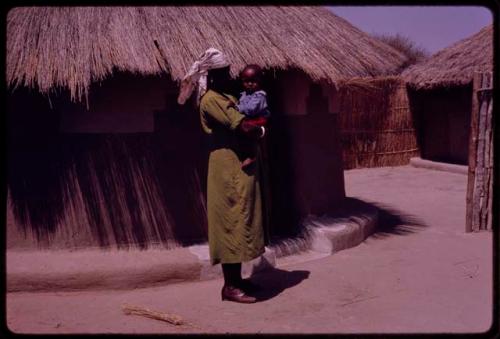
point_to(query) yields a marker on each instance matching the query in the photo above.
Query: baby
(253, 104)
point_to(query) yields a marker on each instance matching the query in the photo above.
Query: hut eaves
(454, 65)
(71, 47)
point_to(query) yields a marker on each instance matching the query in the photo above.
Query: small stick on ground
(145, 312)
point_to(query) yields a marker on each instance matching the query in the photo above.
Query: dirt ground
(420, 273)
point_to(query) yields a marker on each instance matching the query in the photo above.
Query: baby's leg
(249, 150)
(247, 162)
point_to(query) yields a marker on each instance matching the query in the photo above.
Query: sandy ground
(419, 274)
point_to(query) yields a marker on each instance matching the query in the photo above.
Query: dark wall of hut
(377, 128)
(131, 170)
(304, 154)
(127, 171)
(443, 119)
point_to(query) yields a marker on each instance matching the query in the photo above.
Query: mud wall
(131, 169)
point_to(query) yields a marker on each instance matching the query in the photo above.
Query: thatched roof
(456, 64)
(71, 47)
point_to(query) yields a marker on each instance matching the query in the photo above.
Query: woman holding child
(234, 205)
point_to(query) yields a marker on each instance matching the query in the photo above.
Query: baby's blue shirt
(254, 105)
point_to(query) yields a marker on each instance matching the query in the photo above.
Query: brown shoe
(235, 294)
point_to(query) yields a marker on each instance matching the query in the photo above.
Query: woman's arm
(217, 109)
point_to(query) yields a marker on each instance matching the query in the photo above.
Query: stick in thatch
(145, 312)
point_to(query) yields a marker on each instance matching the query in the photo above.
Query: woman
(234, 207)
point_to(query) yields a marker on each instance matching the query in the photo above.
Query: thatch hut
(100, 154)
(440, 92)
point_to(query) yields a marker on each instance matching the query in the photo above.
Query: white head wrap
(197, 75)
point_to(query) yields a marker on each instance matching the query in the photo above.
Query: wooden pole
(479, 187)
(478, 197)
(489, 225)
(487, 212)
(472, 150)
(486, 94)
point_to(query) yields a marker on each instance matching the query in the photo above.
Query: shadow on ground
(275, 281)
(352, 210)
(391, 221)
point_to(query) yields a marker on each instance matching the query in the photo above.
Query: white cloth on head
(197, 75)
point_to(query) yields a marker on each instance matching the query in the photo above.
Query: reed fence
(376, 125)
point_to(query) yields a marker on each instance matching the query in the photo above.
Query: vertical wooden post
(478, 195)
(492, 171)
(479, 188)
(476, 83)
(487, 215)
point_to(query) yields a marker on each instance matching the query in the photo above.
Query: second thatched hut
(440, 92)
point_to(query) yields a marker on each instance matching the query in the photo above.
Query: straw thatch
(71, 47)
(456, 64)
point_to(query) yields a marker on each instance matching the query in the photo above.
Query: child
(253, 104)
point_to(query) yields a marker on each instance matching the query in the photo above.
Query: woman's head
(197, 76)
(251, 77)
(219, 79)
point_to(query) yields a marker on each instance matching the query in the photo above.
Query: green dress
(234, 205)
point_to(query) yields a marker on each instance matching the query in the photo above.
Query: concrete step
(439, 166)
(72, 270)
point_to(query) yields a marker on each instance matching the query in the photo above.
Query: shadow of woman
(275, 281)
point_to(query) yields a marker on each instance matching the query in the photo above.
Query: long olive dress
(235, 232)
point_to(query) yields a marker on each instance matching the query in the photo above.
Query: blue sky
(430, 27)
